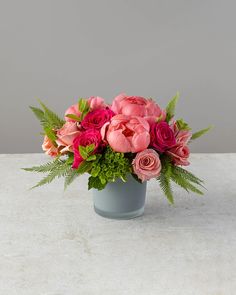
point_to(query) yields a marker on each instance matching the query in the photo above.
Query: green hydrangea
(107, 168)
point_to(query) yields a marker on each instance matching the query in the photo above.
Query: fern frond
(48, 167)
(70, 177)
(51, 118)
(59, 171)
(164, 180)
(185, 184)
(185, 174)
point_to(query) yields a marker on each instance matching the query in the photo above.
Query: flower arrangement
(133, 135)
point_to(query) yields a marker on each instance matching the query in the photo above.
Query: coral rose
(96, 119)
(85, 138)
(127, 134)
(162, 136)
(49, 148)
(179, 154)
(137, 106)
(72, 110)
(147, 164)
(66, 136)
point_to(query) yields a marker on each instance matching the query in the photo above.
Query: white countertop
(52, 242)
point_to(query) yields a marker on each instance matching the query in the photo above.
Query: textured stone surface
(52, 242)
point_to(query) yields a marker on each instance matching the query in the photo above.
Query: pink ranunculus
(49, 148)
(97, 118)
(138, 106)
(127, 134)
(96, 102)
(179, 154)
(147, 164)
(72, 110)
(162, 136)
(66, 136)
(85, 138)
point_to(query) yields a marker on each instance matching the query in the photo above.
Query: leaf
(164, 180)
(43, 168)
(170, 109)
(182, 125)
(51, 118)
(74, 117)
(95, 182)
(83, 152)
(50, 134)
(91, 158)
(90, 148)
(201, 132)
(83, 106)
(70, 177)
(84, 167)
(38, 113)
(186, 175)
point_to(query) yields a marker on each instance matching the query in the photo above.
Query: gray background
(61, 50)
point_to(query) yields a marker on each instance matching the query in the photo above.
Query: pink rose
(49, 148)
(137, 106)
(96, 119)
(127, 134)
(147, 164)
(66, 135)
(74, 110)
(181, 136)
(85, 138)
(162, 136)
(96, 102)
(179, 154)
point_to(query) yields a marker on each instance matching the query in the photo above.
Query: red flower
(162, 136)
(97, 118)
(88, 137)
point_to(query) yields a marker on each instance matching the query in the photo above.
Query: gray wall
(61, 50)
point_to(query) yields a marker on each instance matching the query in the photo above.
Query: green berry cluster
(107, 168)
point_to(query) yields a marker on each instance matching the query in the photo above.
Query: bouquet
(130, 136)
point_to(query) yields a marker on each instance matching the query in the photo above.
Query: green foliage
(70, 177)
(107, 168)
(83, 107)
(84, 167)
(182, 125)
(74, 117)
(178, 175)
(49, 120)
(60, 170)
(45, 167)
(164, 180)
(200, 133)
(170, 109)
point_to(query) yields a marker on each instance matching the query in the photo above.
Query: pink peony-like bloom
(85, 138)
(49, 148)
(72, 110)
(179, 154)
(127, 134)
(66, 136)
(96, 102)
(138, 106)
(147, 164)
(162, 136)
(97, 118)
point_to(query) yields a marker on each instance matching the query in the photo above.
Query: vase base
(117, 215)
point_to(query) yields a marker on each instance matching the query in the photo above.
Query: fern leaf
(48, 167)
(164, 180)
(70, 177)
(186, 175)
(200, 133)
(170, 109)
(185, 184)
(38, 113)
(52, 119)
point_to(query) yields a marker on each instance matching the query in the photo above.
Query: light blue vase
(121, 200)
